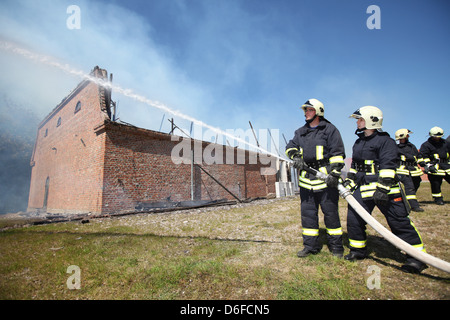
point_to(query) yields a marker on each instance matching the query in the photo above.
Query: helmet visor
(356, 114)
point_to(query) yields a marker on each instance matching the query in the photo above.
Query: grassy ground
(245, 251)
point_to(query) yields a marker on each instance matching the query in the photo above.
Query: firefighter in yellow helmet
(434, 158)
(318, 144)
(372, 179)
(409, 172)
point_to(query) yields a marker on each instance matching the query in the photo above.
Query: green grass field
(245, 251)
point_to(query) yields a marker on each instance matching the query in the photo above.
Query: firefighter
(372, 178)
(434, 158)
(409, 172)
(318, 144)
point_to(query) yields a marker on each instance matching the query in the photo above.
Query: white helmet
(436, 132)
(372, 115)
(402, 134)
(316, 104)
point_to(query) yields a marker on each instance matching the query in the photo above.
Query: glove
(332, 180)
(430, 168)
(349, 182)
(299, 163)
(381, 198)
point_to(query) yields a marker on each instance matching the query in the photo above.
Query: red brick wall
(98, 166)
(139, 168)
(71, 155)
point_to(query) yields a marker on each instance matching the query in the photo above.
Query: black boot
(337, 251)
(417, 209)
(352, 256)
(413, 266)
(306, 252)
(439, 201)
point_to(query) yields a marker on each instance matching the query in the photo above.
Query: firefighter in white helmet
(372, 178)
(318, 144)
(409, 172)
(434, 158)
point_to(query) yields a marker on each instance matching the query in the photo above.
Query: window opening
(47, 185)
(78, 107)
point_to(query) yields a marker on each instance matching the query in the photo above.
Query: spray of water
(46, 60)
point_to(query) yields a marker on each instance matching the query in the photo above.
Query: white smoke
(47, 60)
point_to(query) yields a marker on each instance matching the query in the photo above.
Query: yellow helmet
(402, 134)
(372, 115)
(316, 104)
(436, 132)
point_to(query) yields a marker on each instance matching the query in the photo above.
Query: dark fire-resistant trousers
(397, 219)
(436, 184)
(328, 200)
(411, 186)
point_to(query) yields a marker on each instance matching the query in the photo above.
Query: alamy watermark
(74, 281)
(74, 20)
(374, 279)
(374, 21)
(225, 151)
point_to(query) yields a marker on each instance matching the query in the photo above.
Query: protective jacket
(322, 148)
(408, 154)
(435, 153)
(374, 164)
(409, 172)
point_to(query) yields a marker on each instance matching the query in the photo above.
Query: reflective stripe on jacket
(408, 160)
(321, 148)
(378, 150)
(436, 153)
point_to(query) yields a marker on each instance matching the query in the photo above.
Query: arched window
(59, 122)
(47, 185)
(78, 107)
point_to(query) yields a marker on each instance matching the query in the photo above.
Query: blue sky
(228, 62)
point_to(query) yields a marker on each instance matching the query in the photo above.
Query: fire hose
(378, 227)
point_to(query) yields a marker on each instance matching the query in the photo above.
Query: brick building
(84, 162)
